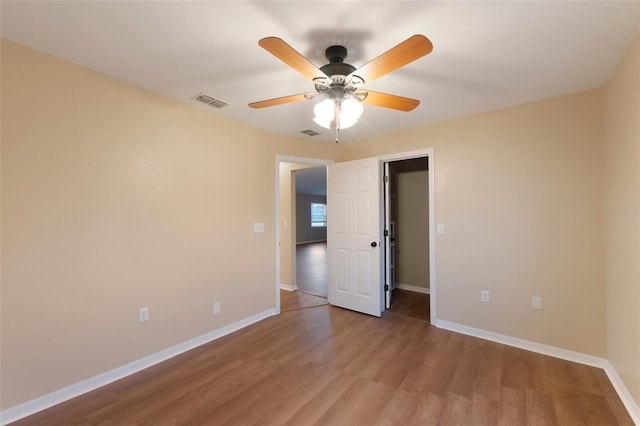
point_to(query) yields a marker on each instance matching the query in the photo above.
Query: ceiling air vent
(205, 99)
(310, 132)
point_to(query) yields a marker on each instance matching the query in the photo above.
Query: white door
(388, 239)
(353, 234)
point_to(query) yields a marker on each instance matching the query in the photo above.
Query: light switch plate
(258, 227)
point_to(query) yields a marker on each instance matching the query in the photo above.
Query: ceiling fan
(341, 84)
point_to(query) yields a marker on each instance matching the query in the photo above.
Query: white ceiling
(487, 55)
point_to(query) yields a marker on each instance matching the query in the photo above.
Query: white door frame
(428, 152)
(287, 159)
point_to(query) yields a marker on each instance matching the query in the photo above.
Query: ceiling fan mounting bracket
(335, 54)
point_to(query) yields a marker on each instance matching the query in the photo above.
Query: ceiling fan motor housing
(336, 66)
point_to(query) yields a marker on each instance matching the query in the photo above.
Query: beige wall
(622, 218)
(520, 194)
(115, 198)
(410, 212)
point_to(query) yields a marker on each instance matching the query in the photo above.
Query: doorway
(290, 192)
(407, 245)
(311, 230)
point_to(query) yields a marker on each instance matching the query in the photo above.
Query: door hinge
(386, 179)
(386, 287)
(386, 233)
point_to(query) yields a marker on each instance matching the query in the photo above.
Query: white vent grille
(310, 132)
(211, 101)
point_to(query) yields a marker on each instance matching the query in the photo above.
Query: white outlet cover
(143, 314)
(484, 296)
(536, 302)
(216, 308)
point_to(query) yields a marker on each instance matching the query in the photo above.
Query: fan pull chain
(336, 115)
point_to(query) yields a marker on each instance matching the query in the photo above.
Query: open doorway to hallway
(311, 261)
(303, 238)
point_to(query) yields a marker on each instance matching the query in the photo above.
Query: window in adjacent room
(318, 215)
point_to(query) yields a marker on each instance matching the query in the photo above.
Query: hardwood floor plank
(410, 304)
(484, 410)
(583, 408)
(399, 410)
(489, 375)
(286, 403)
(512, 407)
(311, 268)
(466, 370)
(298, 299)
(421, 368)
(359, 404)
(315, 408)
(444, 371)
(613, 400)
(205, 397)
(540, 408)
(456, 410)
(429, 410)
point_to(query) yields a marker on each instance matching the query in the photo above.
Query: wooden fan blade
(287, 54)
(390, 101)
(278, 101)
(408, 51)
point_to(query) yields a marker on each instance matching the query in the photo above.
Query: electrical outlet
(216, 308)
(536, 302)
(484, 296)
(143, 314)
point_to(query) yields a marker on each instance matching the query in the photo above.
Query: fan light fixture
(340, 114)
(341, 84)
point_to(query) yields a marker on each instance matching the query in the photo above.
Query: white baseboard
(31, 407)
(632, 407)
(300, 243)
(288, 287)
(630, 404)
(413, 288)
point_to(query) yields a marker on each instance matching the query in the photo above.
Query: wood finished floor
(410, 304)
(311, 268)
(294, 300)
(329, 366)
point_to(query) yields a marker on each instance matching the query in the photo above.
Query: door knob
(374, 244)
